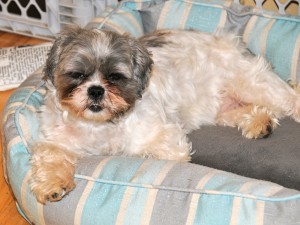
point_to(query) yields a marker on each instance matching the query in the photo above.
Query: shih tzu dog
(112, 94)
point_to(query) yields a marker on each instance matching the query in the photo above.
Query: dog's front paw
(260, 123)
(51, 181)
(51, 190)
(52, 172)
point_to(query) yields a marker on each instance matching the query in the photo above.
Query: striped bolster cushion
(275, 37)
(119, 190)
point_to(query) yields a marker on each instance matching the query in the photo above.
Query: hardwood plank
(8, 210)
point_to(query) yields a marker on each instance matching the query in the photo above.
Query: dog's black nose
(95, 92)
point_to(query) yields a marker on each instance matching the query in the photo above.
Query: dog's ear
(142, 63)
(64, 37)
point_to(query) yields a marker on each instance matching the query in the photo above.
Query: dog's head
(98, 75)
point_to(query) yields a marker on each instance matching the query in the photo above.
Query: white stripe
(195, 197)
(87, 190)
(11, 109)
(128, 193)
(13, 141)
(148, 209)
(237, 203)
(24, 195)
(273, 190)
(163, 14)
(185, 16)
(114, 26)
(40, 209)
(260, 205)
(260, 209)
(263, 43)
(26, 134)
(223, 17)
(295, 60)
(249, 27)
(133, 21)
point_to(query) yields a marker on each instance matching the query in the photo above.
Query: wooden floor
(8, 212)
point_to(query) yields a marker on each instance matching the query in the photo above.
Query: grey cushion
(274, 159)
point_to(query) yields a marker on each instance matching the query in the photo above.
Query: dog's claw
(269, 131)
(56, 193)
(54, 196)
(260, 125)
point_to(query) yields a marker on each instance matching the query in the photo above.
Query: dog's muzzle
(95, 93)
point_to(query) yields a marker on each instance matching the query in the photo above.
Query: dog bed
(273, 36)
(118, 190)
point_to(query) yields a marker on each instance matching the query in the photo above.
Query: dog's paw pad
(46, 192)
(259, 124)
(56, 196)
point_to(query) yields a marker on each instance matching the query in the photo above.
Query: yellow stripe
(153, 193)
(249, 27)
(87, 190)
(295, 60)
(128, 193)
(263, 44)
(185, 16)
(195, 197)
(163, 14)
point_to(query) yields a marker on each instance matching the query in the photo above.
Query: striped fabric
(271, 35)
(117, 190)
(131, 191)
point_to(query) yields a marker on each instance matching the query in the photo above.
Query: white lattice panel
(283, 6)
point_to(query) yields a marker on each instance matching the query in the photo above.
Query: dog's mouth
(95, 108)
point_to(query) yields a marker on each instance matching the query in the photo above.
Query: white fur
(191, 83)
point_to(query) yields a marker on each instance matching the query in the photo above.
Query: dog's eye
(113, 77)
(77, 75)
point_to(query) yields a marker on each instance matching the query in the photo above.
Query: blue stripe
(281, 55)
(247, 207)
(234, 183)
(105, 199)
(174, 15)
(18, 167)
(214, 209)
(125, 23)
(139, 196)
(256, 33)
(203, 18)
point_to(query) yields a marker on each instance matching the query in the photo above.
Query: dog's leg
(254, 121)
(160, 141)
(52, 172)
(262, 97)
